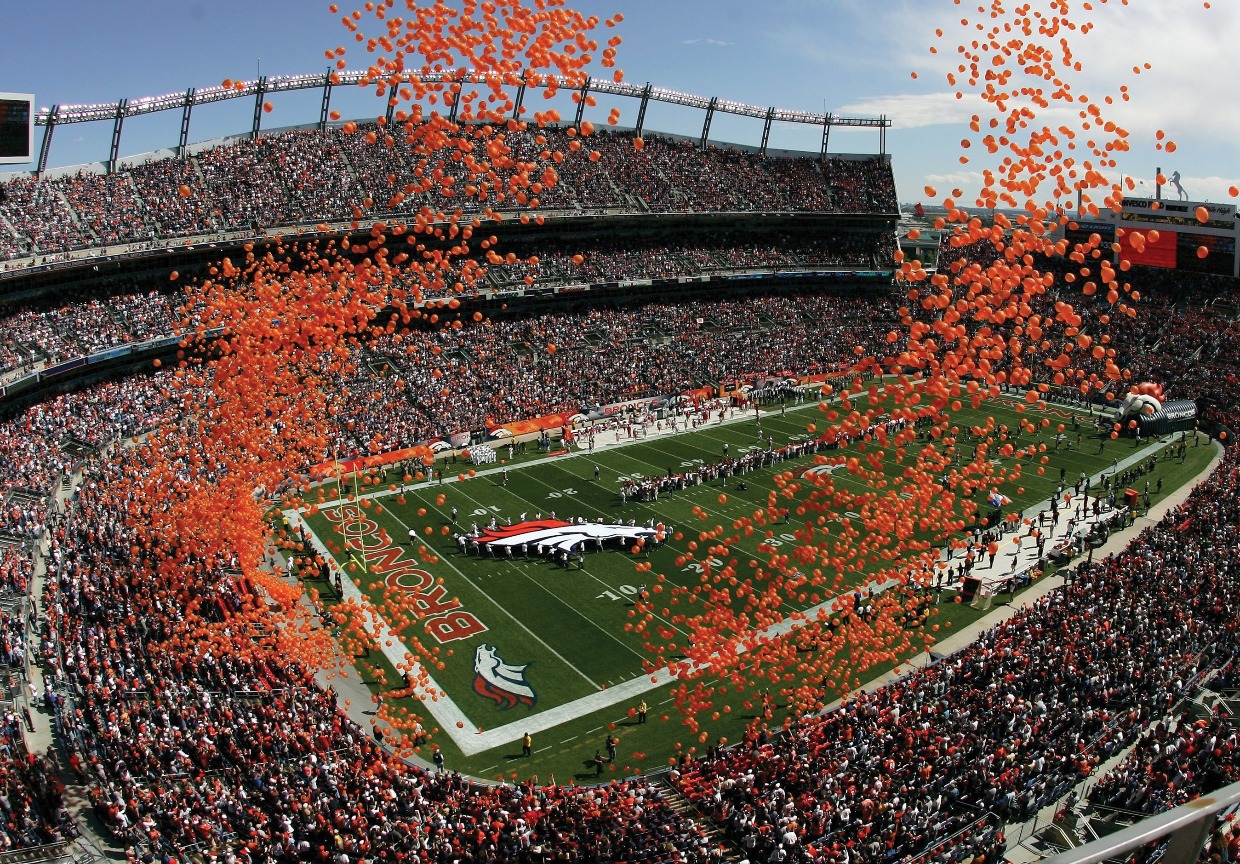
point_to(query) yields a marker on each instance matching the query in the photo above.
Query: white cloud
(913, 110)
(1184, 94)
(716, 42)
(962, 179)
(1190, 50)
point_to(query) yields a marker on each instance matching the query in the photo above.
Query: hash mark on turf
(566, 740)
(543, 750)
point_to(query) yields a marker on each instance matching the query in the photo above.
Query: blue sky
(847, 56)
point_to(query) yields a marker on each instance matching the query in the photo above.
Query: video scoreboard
(16, 128)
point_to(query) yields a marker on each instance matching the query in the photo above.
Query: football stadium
(462, 481)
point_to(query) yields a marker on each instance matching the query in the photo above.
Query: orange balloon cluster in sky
(259, 400)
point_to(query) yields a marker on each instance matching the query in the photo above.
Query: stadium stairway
(1045, 835)
(91, 844)
(8, 227)
(682, 806)
(82, 225)
(1081, 820)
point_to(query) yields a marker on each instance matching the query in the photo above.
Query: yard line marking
(521, 571)
(511, 617)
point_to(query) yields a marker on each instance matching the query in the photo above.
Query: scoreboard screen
(1219, 253)
(16, 128)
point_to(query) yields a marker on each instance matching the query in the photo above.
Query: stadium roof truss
(260, 87)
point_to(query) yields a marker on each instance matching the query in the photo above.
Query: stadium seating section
(309, 177)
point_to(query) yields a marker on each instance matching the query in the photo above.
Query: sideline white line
(436, 701)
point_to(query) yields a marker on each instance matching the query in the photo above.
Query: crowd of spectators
(1011, 723)
(616, 259)
(35, 218)
(410, 390)
(32, 811)
(62, 328)
(57, 329)
(16, 568)
(158, 183)
(305, 176)
(106, 206)
(1174, 762)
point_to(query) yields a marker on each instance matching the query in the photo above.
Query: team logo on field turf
(560, 535)
(825, 470)
(503, 683)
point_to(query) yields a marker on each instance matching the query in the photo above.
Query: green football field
(523, 644)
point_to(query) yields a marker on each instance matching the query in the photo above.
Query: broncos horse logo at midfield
(824, 470)
(560, 535)
(503, 683)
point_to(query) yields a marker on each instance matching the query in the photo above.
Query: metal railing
(1186, 826)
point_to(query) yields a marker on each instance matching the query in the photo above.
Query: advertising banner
(529, 427)
(64, 367)
(348, 466)
(600, 412)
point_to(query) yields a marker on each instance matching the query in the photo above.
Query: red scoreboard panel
(1160, 252)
